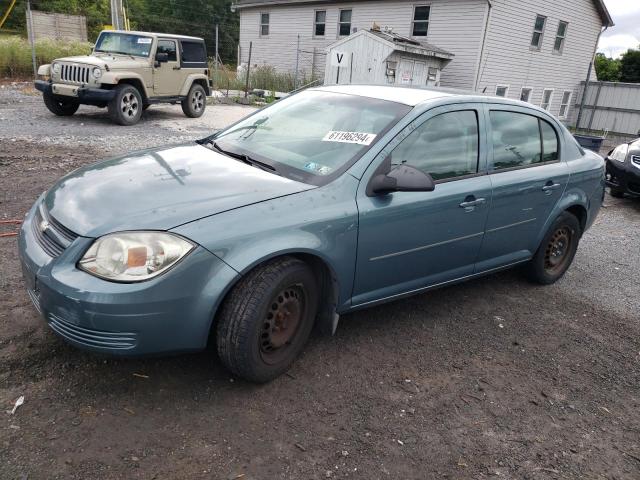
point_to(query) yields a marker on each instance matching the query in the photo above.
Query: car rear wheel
(125, 108)
(266, 319)
(556, 252)
(60, 107)
(614, 192)
(193, 106)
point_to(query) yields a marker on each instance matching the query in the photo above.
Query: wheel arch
(200, 79)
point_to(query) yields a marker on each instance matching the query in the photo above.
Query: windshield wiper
(243, 157)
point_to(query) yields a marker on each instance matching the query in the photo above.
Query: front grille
(74, 73)
(90, 337)
(53, 237)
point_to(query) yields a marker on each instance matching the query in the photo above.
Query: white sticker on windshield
(350, 137)
(144, 40)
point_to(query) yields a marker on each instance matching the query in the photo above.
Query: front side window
(320, 23)
(445, 146)
(538, 31)
(420, 26)
(501, 91)
(547, 95)
(344, 26)
(525, 94)
(560, 36)
(124, 44)
(264, 24)
(312, 135)
(521, 140)
(564, 104)
(168, 47)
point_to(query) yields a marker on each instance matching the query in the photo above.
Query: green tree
(607, 69)
(630, 66)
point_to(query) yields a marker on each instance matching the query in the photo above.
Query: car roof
(156, 34)
(399, 94)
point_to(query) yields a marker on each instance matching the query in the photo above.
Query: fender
(192, 77)
(44, 70)
(114, 77)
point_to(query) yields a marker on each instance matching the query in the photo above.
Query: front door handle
(471, 202)
(549, 187)
(176, 68)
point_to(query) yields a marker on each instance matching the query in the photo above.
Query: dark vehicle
(623, 169)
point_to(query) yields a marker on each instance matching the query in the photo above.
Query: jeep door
(411, 240)
(167, 76)
(528, 178)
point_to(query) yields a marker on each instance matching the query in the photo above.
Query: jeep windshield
(312, 136)
(124, 44)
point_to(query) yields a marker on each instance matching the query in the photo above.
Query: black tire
(266, 319)
(556, 251)
(125, 108)
(60, 106)
(193, 106)
(614, 192)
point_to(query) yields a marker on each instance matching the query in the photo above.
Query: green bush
(15, 54)
(264, 77)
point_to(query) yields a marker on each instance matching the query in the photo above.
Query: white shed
(383, 57)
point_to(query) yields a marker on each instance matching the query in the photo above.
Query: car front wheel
(125, 108)
(267, 318)
(556, 252)
(60, 107)
(193, 106)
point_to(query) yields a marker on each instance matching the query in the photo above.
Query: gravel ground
(494, 377)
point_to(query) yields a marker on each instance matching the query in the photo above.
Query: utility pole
(32, 39)
(246, 85)
(295, 82)
(116, 14)
(215, 62)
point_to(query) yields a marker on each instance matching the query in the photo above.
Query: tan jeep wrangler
(127, 72)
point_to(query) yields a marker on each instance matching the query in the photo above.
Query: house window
(344, 25)
(320, 23)
(538, 30)
(525, 94)
(420, 20)
(564, 104)
(264, 24)
(560, 36)
(502, 90)
(547, 94)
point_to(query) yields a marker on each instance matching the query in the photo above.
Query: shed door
(418, 77)
(405, 76)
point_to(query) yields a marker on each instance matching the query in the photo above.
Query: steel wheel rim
(558, 249)
(197, 100)
(282, 323)
(129, 104)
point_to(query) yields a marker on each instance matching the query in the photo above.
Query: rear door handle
(550, 187)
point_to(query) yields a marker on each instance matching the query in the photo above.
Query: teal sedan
(328, 201)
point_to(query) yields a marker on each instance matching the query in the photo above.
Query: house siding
(509, 60)
(455, 25)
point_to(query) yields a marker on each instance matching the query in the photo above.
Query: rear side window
(445, 146)
(193, 52)
(521, 140)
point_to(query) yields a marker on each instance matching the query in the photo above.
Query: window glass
(562, 32)
(320, 23)
(445, 146)
(168, 47)
(344, 27)
(124, 43)
(193, 52)
(501, 91)
(264, 24)
(516, 140)
(421, 20)
(538, 29)
(564, 104)
(546, 99)
(549, 142)
(525, 94)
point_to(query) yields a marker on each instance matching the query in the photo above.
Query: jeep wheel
(266, 319)
(125, 108)
(193, 106)
(62, 108)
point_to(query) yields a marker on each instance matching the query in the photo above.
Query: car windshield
(124, 43)
(312, 136)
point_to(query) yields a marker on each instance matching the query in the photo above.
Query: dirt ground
(494, 377)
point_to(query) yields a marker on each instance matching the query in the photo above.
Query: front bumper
(169, 313)
(86, 95)
(624, 177)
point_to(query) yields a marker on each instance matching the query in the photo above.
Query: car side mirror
(161, 57)
(402, 178)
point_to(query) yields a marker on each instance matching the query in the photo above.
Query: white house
(535, 51)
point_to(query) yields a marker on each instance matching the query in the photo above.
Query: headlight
(56, 68)
(97, 72)
(620, 153)
(134, 256)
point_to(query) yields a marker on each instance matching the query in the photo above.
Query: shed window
(525, 94)
(420, 20)
(320, 23)
(547, 94)
(264, 24)
(538, 31)
(560, 36)
(564, 104)
(502, 90)
(344, 25)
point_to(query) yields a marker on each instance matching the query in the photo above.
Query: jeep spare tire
(60, 106)
(193, 106)
(125, 108)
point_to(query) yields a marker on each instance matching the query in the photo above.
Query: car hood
(159, 189)
(102, 59)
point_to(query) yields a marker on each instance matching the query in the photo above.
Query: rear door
(528, 178)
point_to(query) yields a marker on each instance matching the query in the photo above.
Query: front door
(167, 76)
(528, 178)
(410, 240)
